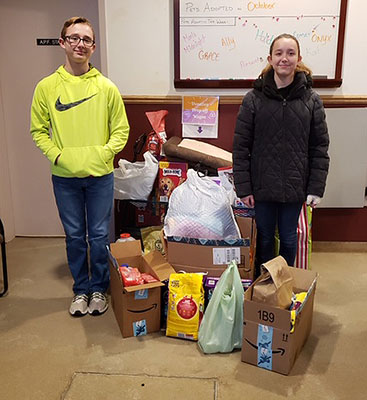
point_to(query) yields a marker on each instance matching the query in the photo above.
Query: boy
(89, 126)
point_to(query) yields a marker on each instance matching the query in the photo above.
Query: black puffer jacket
(280, 148)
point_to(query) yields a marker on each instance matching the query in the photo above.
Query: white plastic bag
(229, 188)
(221, 328)
(199, 208)
(134, 181)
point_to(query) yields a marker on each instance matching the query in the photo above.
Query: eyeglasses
(75, 40)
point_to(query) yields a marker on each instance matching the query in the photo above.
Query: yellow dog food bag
(185, 305)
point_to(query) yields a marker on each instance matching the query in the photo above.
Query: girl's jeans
(268, 215)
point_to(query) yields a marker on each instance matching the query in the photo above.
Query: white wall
(140, 49)
(348, 158)
(27, 205)
(6, 206)
(140, 60)
(137, 53)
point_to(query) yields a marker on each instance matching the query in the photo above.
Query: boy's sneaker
(97, 303)
(79, 305)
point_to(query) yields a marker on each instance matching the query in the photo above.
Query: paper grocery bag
(275, 284)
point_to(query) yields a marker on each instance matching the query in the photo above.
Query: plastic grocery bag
(134, 181)
(221, 328)
(304, 239)
(199, 208)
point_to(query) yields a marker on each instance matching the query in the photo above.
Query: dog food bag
(185, 305)
(151, 237)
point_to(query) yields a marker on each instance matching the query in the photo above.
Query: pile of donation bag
(196, 281)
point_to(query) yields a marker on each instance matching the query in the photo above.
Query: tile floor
(46, 354)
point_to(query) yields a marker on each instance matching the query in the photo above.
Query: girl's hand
(313, 200)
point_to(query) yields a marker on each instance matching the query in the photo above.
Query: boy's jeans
(85, 206)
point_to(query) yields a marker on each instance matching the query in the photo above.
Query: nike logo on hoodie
(63, 107)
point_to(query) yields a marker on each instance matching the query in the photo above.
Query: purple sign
(199, 117)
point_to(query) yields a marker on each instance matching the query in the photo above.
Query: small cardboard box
(267, 341)
(137, 308)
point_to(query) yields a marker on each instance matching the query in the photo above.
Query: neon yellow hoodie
(88, 122)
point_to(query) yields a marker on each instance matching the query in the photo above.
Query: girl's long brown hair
(301, 67)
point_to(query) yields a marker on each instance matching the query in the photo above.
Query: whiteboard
(229, 41)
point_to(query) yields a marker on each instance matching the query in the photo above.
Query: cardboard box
(210, 256)
(213, 256)
(247, 227)
(137, 308)
(267, 341)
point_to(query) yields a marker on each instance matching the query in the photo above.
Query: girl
(280, 148)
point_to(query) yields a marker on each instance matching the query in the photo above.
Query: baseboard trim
(341, 247)
(41, 236)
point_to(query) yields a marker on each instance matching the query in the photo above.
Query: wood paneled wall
(329, 224)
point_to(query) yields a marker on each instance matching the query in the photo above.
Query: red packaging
(131, 276)
(170, 175)
(148, 278)
(156, 138)
(154, 144)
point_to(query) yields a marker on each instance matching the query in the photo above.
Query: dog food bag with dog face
(170, 175)
(185, 305)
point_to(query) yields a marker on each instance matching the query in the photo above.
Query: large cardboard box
(267, 340)
(213, 256)
(247, 227)
(137, 308)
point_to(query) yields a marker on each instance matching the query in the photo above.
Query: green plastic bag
(221, 328)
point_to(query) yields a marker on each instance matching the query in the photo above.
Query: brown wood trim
(340, 48)
(176, 38)
(330, 101)
(339, 247)
(152, 99)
